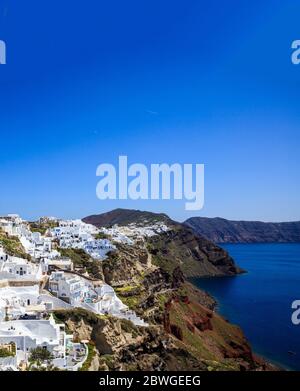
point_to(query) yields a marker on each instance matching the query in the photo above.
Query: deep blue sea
(260, 301)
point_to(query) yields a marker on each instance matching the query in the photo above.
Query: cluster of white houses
(26, 305)
(132, 233)
(79, 235)
(99, 298)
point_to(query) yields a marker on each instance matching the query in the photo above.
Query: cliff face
(179, 246)
(119, 345)
(226, 231)
(184, 333)
(196, 256)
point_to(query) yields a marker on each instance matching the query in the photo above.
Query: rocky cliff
(185, 332)
(179, 246)
(196, 256)
(219, 230)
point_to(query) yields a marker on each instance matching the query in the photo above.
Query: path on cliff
(149, 259)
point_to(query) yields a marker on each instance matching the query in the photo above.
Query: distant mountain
(220, 230)
(125, 217)
(177, 247)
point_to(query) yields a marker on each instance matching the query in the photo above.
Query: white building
(132, 233)
(14, 268)
(36, 245)
(79, 235)
(30, 334)
(98, 248)
(80, 292)
(16, 301)
(69, 287)
(62, 263)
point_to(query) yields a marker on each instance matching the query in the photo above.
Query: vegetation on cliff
(179, 246)
(150, 278)
(12, 245)
(42, 226)
(196, 256)
(83, 262)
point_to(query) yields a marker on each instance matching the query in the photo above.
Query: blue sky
(159, 81)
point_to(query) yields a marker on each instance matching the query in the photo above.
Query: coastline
(271, 364)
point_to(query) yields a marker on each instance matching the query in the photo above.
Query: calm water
(260, 301)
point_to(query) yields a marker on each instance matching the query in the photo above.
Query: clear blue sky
(160, 81)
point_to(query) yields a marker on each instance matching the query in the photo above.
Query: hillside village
(110, 292)
(36, 278)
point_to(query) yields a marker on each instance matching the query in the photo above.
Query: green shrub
(40, 354)
(90, 357)
(5, 353)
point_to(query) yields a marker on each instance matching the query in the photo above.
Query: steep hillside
(196, 256)
(149, 276)
(183, 335)
(179, 246)
(220, 230)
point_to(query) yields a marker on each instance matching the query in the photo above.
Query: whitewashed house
(30, 334)
(14, 268)
(79, 235)
(63, 263)
(16, 301)
(68, 287)
(80, 292)
(11, 224)
(98, 248)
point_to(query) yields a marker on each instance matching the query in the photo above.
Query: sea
(260, 301)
